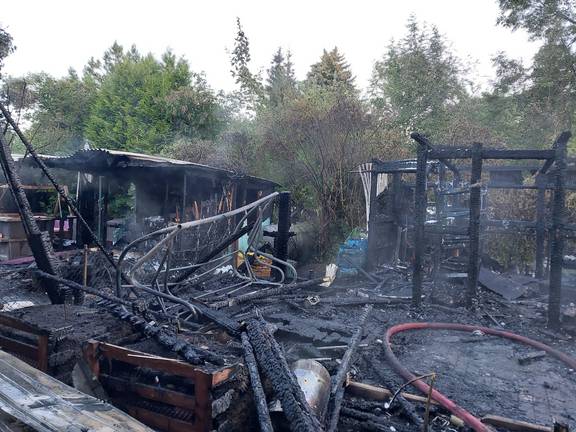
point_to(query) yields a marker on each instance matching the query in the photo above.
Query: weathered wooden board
(47, 405)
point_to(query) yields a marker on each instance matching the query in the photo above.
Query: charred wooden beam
(281, 240)
(540, 225)
(420, 204)
(474, 223)
(265, 293)
(272, 362)
(337, 388)
(259, 396)
(423, 141)
(39, 241)
(556, 236)
(466, 153)
(192, 354)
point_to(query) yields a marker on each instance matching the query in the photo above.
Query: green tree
(129, 112)
(332, 70)
(417, 81)
(194, 110)
(6, 46)
(250, 87)
(544, 94)
(60, 113)
(541, 18)
(312, 144)
(281, 82)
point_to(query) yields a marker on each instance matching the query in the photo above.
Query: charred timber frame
(271, 360)
(555, 156)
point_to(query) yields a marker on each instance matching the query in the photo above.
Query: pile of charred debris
(234, 339)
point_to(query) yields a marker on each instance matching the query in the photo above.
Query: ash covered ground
(480, 372)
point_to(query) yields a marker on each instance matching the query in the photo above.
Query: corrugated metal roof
(102, 161)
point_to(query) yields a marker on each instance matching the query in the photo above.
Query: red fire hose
(455, 409)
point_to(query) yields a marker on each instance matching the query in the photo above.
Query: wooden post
(39, 241)
(283, 234)
(87, 207)
(238, 199)
(420, 204)
(103, 197)
(440, 211)
(397, 213)
(556, 233)
(43, 352)
(540, 225)
(474, 223)
(372, 260)
(184, 193)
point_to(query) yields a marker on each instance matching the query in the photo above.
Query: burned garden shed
(431, 211)
(159, 190)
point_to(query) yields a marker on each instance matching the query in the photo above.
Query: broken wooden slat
(158, 420)
(368, 391)
(158, 394)
(529, 358)
(514, 425)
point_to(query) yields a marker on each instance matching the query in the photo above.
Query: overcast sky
(53, 35)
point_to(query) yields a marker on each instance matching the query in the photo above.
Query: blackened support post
(440, 211)
(281, 240)
(540, 225)
(474, 223)
(420, 204)
(372, 237)
(397, 213)
(39, 241)
(184, 201)
(103, 200)
(556, 237)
